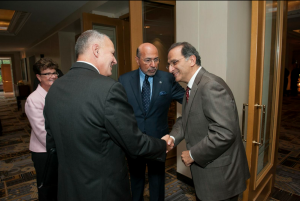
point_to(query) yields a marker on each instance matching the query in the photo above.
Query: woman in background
(45, 70)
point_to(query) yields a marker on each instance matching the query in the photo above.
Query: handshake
(185, 156)
(169, 142)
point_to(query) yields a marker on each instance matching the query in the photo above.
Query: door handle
(243, 121)
(262, 130)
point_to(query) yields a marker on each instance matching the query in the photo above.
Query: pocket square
(162, 93)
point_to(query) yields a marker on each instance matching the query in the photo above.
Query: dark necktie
(187, 93)
(146, 94)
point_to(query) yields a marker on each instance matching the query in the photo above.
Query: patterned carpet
(287, 182)
(17, 174)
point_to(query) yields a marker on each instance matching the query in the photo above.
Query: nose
(115, 61)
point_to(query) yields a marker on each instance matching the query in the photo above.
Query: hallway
(18, 175)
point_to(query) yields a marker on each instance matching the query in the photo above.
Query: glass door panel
(268, 83)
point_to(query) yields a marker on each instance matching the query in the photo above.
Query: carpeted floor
(17, 174)
(287, 182)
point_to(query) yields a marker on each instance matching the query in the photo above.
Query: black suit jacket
(92, 126)
(165, 89)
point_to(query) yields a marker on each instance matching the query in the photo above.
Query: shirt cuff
(191, 155)
(173, 138)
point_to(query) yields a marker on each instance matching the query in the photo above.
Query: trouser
(45, 193)
(156, 177)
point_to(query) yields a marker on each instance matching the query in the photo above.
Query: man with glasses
(210, 127)
(150, 92)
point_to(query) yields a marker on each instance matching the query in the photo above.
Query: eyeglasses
(149, 61)
(50, 74)
(173, 63)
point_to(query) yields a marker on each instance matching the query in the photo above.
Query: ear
(137, 60)
(193, 60)
(95, 49)
(38, 77)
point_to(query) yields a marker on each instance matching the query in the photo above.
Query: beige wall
(49, 47)
(220, 31)
(67, 50)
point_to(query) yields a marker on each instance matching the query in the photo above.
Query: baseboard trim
(185, 179)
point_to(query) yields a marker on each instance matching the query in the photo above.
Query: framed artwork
(24, 69)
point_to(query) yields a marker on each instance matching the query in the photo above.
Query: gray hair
(86, 38)
(187, 51)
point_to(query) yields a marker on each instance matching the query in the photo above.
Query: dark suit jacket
(165, 89)
(210, 126)
(92, 126)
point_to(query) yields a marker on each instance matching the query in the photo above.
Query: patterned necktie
(187, 93)
(146, 94)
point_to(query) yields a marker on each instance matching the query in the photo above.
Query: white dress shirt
(190, 85)
(90, 64)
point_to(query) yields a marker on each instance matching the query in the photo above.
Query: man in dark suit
(92, 126)
(151, 113)
(210, 126)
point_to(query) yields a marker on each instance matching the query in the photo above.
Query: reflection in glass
(269, 80)
(159, 30)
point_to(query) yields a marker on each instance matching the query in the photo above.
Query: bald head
(147, 58)
(145, 47)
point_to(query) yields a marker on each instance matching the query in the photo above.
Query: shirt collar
(90, 64)
(142, 74)
(191, 82)
(41, 91)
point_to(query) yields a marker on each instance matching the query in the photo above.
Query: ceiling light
(146, 27)
(11, 22)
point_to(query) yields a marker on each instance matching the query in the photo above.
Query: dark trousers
(234, 198)
(39, 161)
(156, 177)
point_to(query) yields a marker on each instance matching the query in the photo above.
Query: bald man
(150, 92)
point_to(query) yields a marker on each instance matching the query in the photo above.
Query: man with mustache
(150, 92)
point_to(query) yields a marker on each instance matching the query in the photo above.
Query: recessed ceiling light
(11, 21)
(146, 27)
(5, 18)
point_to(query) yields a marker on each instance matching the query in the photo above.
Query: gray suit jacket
(210, 127)
(92, 126)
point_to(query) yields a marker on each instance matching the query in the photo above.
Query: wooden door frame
(136, 26)
(266, 178)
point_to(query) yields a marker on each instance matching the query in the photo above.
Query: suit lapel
(157, 83)
(192, 96)
(135, 85)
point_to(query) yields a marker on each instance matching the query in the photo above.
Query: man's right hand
(169, 142)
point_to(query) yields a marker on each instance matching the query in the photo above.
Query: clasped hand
(169, 142)
(185, 156)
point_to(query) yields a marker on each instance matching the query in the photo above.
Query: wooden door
(264, 97)
(122, 45)
(6, 78)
